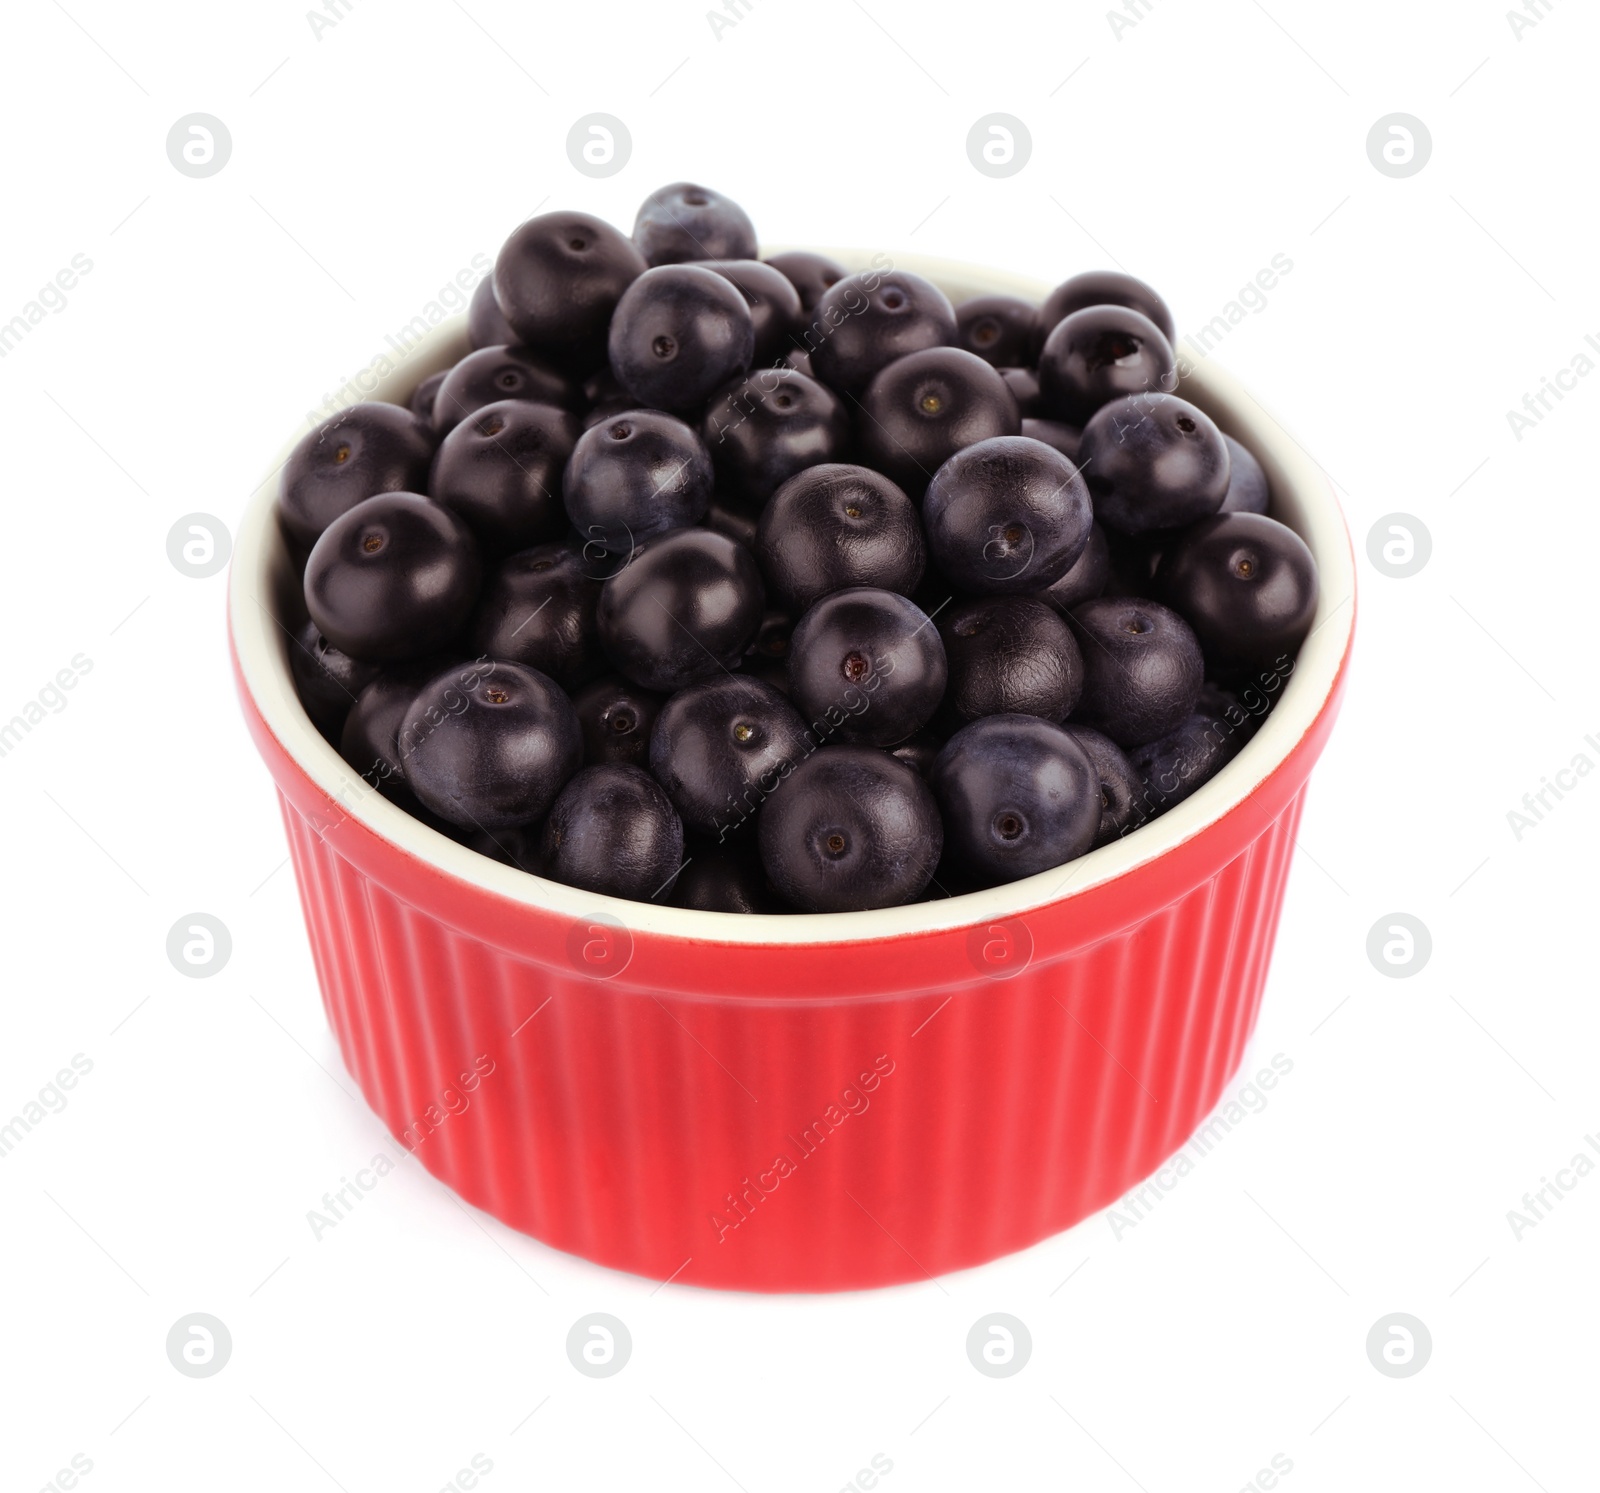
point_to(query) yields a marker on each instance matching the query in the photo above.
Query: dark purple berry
(1141, 665)
(1088, 577)
(684, 221)
(866, 321)
(1006, 517)
(486, 322)
(850, 829)
(867, 667)
(769, 425)
(721, 747)
(1247, 585)
(612, 831)
(774, 305)
(538, 609)
(500, 471)
(492, 374)
(634, 476)
(1122, 792)
(1009, 655)
(921, 409)
(1105, 288)
(1248, 491)
(328, 680)
(1018, 795)
(834, 526)
(362, 451)
(1100, 354)
(680, 332)
(812, 275)
(557, 281)
(1000, 329)
(684, 608)
(393, 578)
(1153, 462)
(489, 745)
(616, 718)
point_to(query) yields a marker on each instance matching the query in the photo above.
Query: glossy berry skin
(421, 402)
(1099, 354)
(500, 471)
(765, 427)
(612, 831)
(1064, 438)
(683, 609)
(1248, 491)
(1009, 655)
(724, 878)
(683, 221)
(1007, 516)
(1153, 462)
(1000, 329)
(850, 829)
(538, 609)
(838, 525)
(1247, 585)
(616, 718)
(486, 322)
(328, 680)
(774, 305)
(557, 281)
(393, 578)
(1124, 803)
(634, 476)
(1184, 759)
(1142, 668)
(1088, 577)
(489, 745)
(867, 667)
(1105, 288)
(679, 333)
(921, 409)
(866, 321)
(812, 275)
(370, 741)
(1018, 796)
(362, 451)
(1024, 386)
(492, 374)
(721, 747)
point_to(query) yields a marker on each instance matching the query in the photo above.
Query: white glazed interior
(1302, 497)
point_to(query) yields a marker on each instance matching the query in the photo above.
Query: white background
(369, 165)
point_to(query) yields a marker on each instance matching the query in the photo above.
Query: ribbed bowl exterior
(793, 1118)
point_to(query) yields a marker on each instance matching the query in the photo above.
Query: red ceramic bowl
(797, 1103)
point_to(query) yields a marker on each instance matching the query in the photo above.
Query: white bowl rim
(1302, 496)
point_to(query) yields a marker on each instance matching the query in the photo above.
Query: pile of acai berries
(757, 586)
